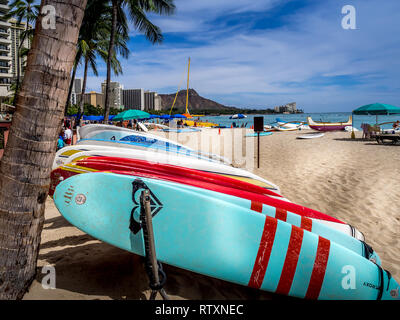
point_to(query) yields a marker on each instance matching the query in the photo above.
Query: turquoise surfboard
(220, 239)
(254, 134)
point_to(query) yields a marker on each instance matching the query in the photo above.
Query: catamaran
(191, 123)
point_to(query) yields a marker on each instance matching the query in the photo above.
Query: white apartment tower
(16, 30)
(5, 51)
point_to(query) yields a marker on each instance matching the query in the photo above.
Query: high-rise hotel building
(5, 51)
(16, 30)
(141, 100)
(115, 94)
(10, 43)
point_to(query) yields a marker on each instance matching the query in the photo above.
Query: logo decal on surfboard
(80, 199)
(68, 194)
(155, 205)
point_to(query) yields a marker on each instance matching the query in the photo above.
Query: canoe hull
(328, 126)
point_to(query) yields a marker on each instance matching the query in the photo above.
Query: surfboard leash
(154, 269)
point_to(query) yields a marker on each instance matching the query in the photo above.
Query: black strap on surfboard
(382, 282)
(353, 231)
(368, 251)
(154, 270)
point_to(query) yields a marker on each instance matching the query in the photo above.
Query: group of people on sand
(65, 136)
(132, 124)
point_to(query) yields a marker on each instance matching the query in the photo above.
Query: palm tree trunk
(115, 4)
(26, 164)
(81, 103)
(71, 84)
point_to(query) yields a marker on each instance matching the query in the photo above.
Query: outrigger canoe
(328, 126)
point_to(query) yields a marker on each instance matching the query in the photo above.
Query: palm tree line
(103, 35)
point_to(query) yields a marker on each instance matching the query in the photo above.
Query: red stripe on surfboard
(281, 214)
(290, 264)
(264, 253)
(256, 206)
(318, 273)
(306, 223)
(212, 182)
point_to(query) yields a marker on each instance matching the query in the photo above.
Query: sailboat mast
(187, 90)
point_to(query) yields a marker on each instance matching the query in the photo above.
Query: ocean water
(224, 120)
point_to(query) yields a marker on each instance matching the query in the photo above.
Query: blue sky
(262, 53)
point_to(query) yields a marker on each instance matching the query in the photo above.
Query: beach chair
(393, 138)
(374, 130)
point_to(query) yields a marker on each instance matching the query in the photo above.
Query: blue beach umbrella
(179, 116)
(93, 118)
(238, 116)
(165, 117)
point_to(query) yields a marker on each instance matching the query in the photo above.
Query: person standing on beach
(68, 135)
(60, 142)
(396, 124)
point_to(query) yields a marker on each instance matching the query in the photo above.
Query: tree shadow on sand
(371, 142)
(354, 140)
(56, 222)
(103, 270)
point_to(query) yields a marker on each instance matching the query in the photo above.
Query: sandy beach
(356, 181)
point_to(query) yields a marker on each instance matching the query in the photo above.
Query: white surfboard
(74, 153)
(143, 127)
(151, 125)
(85, 131)
(311, 136)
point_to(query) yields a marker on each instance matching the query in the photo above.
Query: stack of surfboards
(216, 220)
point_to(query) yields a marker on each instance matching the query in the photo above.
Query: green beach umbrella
(131, 114)
(377, 109)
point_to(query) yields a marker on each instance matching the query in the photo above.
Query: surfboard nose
(66, 195)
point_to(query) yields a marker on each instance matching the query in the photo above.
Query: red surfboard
(257, 199)
(183, 172)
